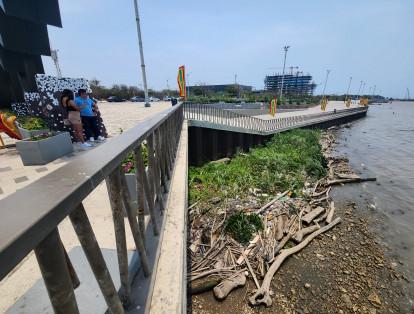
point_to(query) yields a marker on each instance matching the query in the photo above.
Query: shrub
(242, 226)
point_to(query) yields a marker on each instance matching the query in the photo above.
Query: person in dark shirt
(74, 117)
(88, 116)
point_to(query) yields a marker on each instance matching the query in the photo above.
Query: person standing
(74, 117)
(88, 116)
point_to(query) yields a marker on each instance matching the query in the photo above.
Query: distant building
(204, 89)
(293, 84)
(23, 39)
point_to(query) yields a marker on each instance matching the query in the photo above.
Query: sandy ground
(116, 116)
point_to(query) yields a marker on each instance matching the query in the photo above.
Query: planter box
(28, 134)
(44, 151)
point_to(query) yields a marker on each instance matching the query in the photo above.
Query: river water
(382, 145)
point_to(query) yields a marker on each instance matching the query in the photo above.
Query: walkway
(117, 117)
(14, 176)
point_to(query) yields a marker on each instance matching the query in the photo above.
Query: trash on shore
(245, 238)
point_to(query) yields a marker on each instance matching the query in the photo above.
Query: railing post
(138, 231)
(115, 198)
(52, 263)
(155, 164)
(143, 186)
(95, 258)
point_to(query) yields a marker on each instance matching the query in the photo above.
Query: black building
(223, 88)
(23, 39)
(293, 84)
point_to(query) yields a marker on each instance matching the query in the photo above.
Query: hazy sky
(370, 40)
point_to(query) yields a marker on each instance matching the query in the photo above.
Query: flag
(324, 103)
(272, 106)
(181, 81)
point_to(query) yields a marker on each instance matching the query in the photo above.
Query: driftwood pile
(220, 263)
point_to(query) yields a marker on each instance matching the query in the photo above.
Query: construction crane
(54, 55)
(291, 69)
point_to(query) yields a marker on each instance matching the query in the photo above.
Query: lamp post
(187, 82)
(141, 53)
(359, 89)
(286, 48)
(349, 86)
(326, 82)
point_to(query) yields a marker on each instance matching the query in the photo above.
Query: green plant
(242, 226)
(31, 123)
(286, 162)
(41, 136)
(128, 165)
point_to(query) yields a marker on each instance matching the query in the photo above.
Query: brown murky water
(382, 145)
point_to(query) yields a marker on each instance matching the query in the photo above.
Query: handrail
(30, 219)
(217, 116)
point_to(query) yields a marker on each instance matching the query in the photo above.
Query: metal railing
(217, 116)
(30, 218)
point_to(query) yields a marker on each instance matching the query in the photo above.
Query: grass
(286, 162)
(242, 226)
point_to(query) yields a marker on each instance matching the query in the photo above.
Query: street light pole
(359, 89)
(141, 53)
(187, 82)
(349, 86)
(283, 73)
(326, 81)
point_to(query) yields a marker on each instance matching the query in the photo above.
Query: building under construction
(293, 84)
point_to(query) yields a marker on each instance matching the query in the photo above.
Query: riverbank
(343, 271)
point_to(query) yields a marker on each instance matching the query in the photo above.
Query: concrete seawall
(207, 144)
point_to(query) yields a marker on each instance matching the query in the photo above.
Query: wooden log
(347, 176)
(319, 200)
(281, 245)
(331, 212)
(262, 295)
(313, 214)
(298, 237)
(344, 181)
(321, 193)
(264, 207)
(247, 251)
(251, 271)
(212, 271)
(222, 290)
(200, 287)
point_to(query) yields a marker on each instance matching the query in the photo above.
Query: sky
(369, 40)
